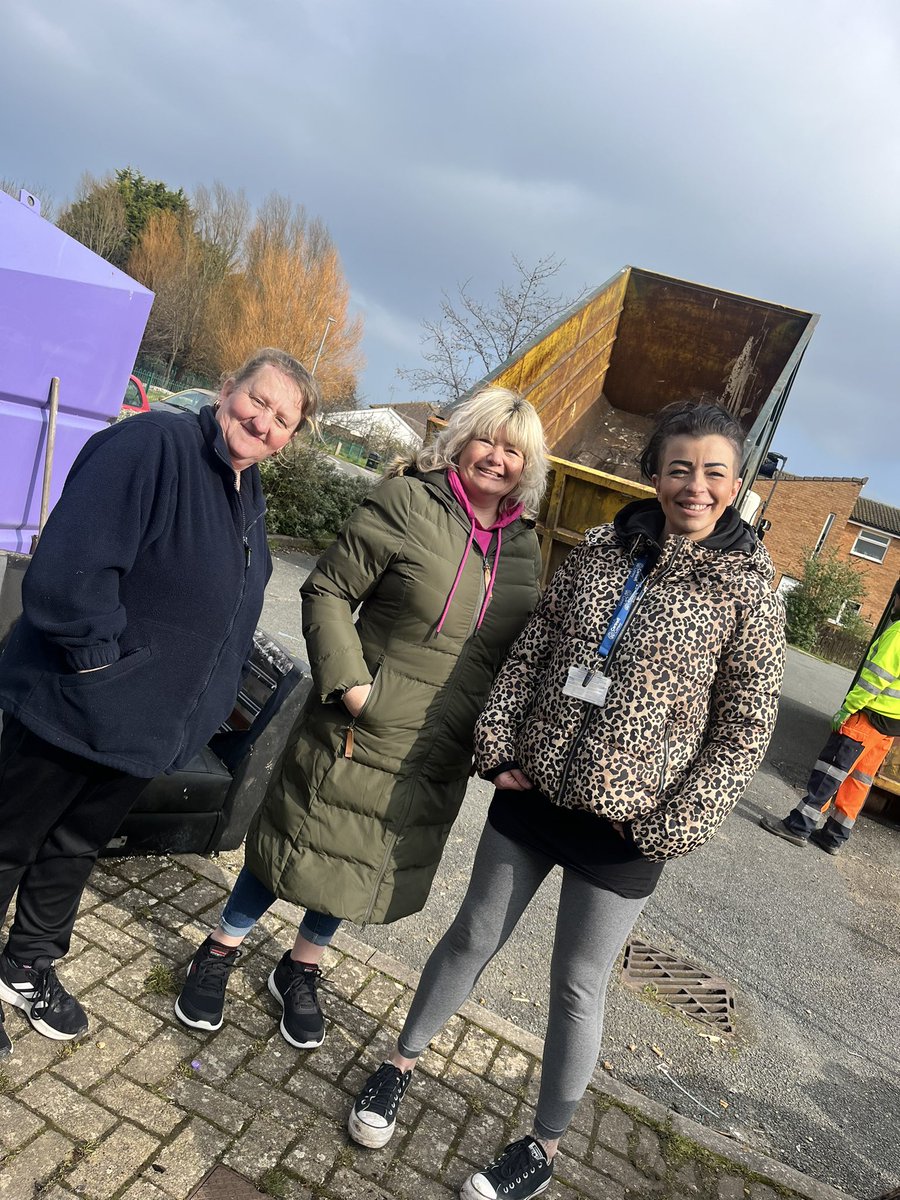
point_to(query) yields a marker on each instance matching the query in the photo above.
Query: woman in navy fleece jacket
(139, 608)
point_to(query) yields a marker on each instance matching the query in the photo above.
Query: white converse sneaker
(374, 1115)
(522, 1170)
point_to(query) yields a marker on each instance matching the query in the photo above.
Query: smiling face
(489, 469)
(697, 481)
(259, 416)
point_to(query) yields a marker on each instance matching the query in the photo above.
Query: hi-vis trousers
(841, 777)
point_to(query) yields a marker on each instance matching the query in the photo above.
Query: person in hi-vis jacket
(863, 732)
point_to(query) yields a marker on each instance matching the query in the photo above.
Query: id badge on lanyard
(592, 686)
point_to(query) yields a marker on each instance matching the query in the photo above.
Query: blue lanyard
(630, 593)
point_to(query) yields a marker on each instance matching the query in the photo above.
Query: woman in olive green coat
(444, 565)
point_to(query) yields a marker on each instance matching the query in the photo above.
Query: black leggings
(591, 927)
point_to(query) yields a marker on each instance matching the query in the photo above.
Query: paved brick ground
(143, 1109)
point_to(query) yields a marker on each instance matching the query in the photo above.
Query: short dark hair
(270, 356)
(690, 419)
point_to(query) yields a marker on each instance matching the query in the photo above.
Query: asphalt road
(355, 472)
(810, 945)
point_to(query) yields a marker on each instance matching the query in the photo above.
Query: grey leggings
(591, 926)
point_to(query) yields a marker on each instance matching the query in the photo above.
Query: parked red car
(135, 399)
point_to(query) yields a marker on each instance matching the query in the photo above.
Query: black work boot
(829, 844)
(777, 826)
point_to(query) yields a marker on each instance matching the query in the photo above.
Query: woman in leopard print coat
(694, 688)
(609, 784)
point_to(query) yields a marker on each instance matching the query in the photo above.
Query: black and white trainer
(522, 1170)
(5, 1043)
(202, 1000)
(374, 1115)
(35, 988)
(295, 986)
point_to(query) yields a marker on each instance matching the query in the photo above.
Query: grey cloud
(752, 145)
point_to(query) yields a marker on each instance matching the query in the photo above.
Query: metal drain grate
(224, 1184)
(683, 985)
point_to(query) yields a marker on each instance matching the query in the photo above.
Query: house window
(848, 610)
(871, 545)
(786, 584)
(829, 521)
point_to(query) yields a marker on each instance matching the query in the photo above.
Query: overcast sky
(746, 144)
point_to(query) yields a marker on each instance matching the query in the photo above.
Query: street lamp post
(329, 321)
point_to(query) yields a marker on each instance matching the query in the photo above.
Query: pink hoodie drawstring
(462, 563)
(459, 492)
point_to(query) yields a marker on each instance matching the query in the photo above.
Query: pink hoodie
(483, 537)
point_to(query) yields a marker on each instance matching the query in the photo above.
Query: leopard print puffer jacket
(695, 681)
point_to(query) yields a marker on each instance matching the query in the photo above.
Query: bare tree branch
(13, 186)
(221, 217)
(472, 337)
(96, 217)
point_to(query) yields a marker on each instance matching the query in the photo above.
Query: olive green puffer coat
(355, 820)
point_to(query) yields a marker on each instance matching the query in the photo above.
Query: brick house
(828, 512)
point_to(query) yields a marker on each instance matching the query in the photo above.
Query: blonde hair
(489, 412)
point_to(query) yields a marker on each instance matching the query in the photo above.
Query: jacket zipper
(590, 708)
(665, 765)
(482, 595)
(245, 544)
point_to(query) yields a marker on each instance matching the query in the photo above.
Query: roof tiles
(877, 515)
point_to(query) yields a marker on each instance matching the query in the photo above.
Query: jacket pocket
(396, 723)
(617, 783)
(122, 666)
(350, 733)
(370, 699)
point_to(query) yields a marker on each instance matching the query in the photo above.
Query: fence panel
(840, 646)
(153, 373)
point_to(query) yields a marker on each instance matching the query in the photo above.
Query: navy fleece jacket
(153, 567)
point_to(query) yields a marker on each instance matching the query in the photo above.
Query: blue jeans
(250, 898)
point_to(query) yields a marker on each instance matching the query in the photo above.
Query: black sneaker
(374, 1115)
(5, 1043)
(202, 998)
(36, 989)
(522, 1170)
(294, 986)
(777, 826)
